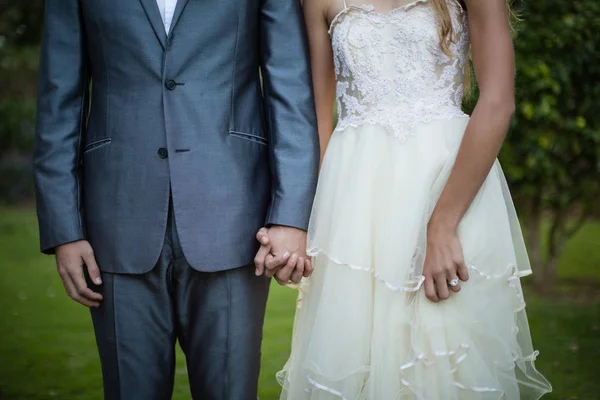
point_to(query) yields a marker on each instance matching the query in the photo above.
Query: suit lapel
(153, 14)
(177, 14)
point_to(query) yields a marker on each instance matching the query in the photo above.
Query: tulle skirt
(364, 328)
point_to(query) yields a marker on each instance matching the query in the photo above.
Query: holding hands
(282, 254)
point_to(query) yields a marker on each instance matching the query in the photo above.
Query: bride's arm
(321, 61)
(493, 60)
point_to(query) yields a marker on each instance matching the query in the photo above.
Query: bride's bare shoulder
(322, 9)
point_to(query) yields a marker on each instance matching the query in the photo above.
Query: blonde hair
(446, 29)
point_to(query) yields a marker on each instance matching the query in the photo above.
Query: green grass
(47, 348)
(581, 258)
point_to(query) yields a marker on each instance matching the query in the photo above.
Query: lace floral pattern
(391, 70)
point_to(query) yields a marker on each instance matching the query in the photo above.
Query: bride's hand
(444, 266)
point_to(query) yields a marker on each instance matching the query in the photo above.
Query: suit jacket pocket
(249, 137)
(96, 145)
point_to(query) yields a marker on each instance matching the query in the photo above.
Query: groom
(160, 152)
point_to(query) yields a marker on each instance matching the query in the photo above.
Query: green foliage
(16, 126)
(21, 21)
(18, 72)
(553, 149)
(20, 25)
(552, 153)
(20, 31)
(16, 142)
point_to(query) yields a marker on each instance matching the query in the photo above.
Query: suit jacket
(128, 114)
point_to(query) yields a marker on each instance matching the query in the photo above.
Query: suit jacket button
(171, 84)
(163, 153)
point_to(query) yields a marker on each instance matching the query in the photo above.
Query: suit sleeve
(63, 90)
(290, 112)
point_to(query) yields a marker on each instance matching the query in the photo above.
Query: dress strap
(344, 4)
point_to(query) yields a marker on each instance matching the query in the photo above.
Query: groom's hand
(71, 258)
(283, 254)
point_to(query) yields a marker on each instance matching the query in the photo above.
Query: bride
(417, 248)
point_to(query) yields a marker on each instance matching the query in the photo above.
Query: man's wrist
(269, 226)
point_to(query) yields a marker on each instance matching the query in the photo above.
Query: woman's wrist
(444, 221)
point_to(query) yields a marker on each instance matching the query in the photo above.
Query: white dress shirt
(167, 9)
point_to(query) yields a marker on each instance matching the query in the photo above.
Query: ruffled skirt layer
(363, 328)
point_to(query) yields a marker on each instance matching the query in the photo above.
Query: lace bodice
(391, 70)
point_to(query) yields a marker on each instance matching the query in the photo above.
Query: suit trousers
(217, 317)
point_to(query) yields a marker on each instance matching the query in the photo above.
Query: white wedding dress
(364, 328)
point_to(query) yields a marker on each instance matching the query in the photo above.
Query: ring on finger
(453, 282)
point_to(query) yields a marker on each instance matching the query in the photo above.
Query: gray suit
(178, 118)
